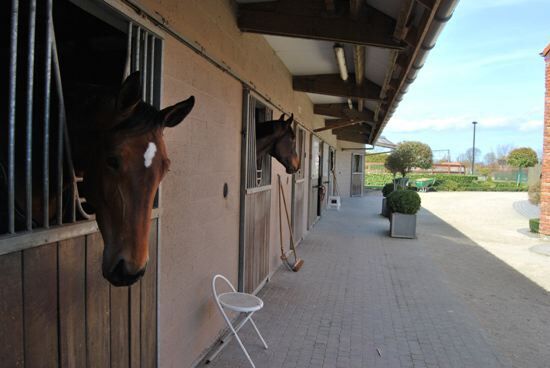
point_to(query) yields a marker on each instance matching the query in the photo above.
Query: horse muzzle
(121, 275)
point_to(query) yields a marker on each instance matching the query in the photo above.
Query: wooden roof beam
(331, 124)
(333, 85)
(358, 51)
(428, 4)
(341, 110)
(371, 28)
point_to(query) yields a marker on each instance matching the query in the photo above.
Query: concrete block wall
(200, 228)
(545, 182)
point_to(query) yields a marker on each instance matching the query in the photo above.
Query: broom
(298, 263)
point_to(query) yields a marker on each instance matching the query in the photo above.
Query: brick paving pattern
(364, 299)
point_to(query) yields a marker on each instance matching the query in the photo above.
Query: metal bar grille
(37, 166)
(301, 151)
(28, 140)
(258, 174)
(46, 138)
(11, 118)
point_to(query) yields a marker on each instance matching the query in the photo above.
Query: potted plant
(404, 205)
(386, 191)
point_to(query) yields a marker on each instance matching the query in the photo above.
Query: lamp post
(474, 147)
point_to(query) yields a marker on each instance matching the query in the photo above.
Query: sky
(486, 67)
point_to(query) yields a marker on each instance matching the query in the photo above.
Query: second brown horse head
(277, 138)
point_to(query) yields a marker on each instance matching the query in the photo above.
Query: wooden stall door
(325, 174)
(299, 188)
(56, 309)
(255, 200)
(357, 174)
(314, 178)
(331, 162)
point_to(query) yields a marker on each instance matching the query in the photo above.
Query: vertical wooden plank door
(56, 309)
(255, 199)
(299, 187)
(314, 179)
(357, 174)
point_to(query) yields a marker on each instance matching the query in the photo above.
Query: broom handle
(283, 256)
(282, 192)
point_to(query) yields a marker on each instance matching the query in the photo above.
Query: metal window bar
(144, 53)
(28, 138)
(300, 150)
(257, 174)
(11, 116)
(46, 137)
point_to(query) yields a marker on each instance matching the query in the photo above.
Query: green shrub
(448, 186)
(381, 179)
(387, 189)
(534, 225)
(450, 182)
(404, 201)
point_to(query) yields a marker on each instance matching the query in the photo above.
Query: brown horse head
(123, 173)
(279, 140)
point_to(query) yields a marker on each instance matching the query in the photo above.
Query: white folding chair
(236, 302)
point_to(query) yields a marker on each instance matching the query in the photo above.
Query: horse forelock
(144, 118)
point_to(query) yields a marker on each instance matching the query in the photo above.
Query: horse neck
(265, 138)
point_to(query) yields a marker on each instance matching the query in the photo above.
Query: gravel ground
(498, 222)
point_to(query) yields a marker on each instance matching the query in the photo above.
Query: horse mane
(267, 128)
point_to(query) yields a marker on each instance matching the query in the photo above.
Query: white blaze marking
(149, 154)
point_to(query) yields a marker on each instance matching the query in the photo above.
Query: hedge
(449, 182)
(381, 179)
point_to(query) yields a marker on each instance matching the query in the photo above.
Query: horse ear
(282, 117)
(129, 94)
(173, 115)
(290, 120)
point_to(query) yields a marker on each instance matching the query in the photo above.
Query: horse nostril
(120, 276)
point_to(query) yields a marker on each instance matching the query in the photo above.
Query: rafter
(428, 4)
(341, 110)
(331, 124)
(373, 28)
(332, 84)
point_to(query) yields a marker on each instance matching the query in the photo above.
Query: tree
(522, 157)
(503, 150)
(490, 159)
(398, 162)
(408, 155)
(467, 157)
(421, 153)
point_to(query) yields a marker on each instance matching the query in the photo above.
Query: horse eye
(113, 162)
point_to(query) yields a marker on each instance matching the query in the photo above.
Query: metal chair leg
(258, 332)
(242, 347)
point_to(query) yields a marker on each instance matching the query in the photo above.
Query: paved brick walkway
(364, 299)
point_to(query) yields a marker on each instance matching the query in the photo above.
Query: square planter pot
(385, 208)
(402, 226)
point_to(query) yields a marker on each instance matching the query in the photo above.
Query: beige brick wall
(545, 183)
(199, 228)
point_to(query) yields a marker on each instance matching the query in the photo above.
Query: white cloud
(522, 124)
(487, 4)
(446, 123)
(530, 125)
